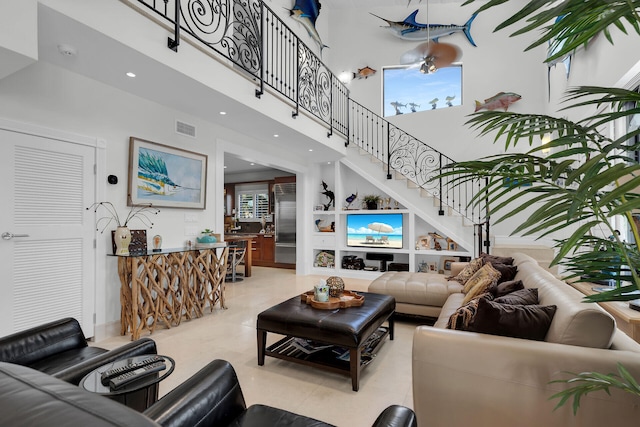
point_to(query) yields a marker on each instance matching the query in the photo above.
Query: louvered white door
(48, 266)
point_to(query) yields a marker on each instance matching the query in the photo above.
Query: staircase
(265, 50)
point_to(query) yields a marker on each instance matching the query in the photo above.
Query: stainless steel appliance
(285, 219)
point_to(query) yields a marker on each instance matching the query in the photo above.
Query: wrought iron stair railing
(256, 41)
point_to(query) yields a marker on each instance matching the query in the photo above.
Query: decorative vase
(372, 206)
(122, 238)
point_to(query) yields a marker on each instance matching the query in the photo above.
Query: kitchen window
(253, 203)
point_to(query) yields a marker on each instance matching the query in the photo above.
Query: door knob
(8, 236)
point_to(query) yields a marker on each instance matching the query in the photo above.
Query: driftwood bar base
(165, 287)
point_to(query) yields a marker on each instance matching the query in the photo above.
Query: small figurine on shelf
(329, 194)
(437, 246)
(350, 200)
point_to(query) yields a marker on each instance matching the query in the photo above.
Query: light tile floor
(231, 335)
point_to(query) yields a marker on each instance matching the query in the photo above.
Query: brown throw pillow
(517, 321)
(480, 282)
(462, 316)
(499, 259)
(471, 268)
(505, 288)
(527, 296)
(507, 272)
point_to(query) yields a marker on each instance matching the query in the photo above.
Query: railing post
(441, 209)
(263, 49)
(388, 154)
(294, 113)
(331, 108)
(346, 142)
(487, 243)
(175, 42)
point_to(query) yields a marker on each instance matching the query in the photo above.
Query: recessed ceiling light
(222, 113)
(252, 164)
(328, 163)
(275, 135)
(130, 74)
(225, 166)
(310, 149)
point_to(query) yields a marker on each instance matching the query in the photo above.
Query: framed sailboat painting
(166, 176)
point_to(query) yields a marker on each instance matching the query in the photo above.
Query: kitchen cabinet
(264, 250)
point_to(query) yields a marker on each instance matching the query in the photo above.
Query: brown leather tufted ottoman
(355, 328)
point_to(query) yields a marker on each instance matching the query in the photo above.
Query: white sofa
(464, 378)
(419, 294)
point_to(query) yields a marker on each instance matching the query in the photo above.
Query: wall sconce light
(345, 77)
(545, 138)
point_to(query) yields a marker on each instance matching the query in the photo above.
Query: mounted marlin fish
(411, 30)
(306, 13)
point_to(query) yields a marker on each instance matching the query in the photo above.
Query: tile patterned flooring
(231, 335)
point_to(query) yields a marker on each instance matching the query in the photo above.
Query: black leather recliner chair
(210, 398)
(60, 349)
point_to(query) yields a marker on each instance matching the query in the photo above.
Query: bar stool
(237, 252)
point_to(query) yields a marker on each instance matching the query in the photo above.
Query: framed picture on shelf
(433, 267)
(166, 176)
(446, 263)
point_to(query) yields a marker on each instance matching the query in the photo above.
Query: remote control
(111, 373)
(124, 379)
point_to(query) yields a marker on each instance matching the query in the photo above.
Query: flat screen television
(373, 230)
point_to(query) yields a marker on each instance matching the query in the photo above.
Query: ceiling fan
(431, 56)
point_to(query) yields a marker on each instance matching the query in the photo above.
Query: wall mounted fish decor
(411, 30)
(306, 13)
(364, 73)
(499, 100)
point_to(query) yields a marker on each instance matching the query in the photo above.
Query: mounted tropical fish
(434, 103)
(364, 73)
(414, 107)
(411, 30)
(499, 100)
(306, 13)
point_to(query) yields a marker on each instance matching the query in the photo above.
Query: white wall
(52, 97)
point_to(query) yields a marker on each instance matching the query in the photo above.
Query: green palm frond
(582, 184)
(581, 21)
(588, 382)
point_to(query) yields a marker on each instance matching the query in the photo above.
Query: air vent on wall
(185, 129)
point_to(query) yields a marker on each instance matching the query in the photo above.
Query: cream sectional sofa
(463, 378)
(419, 294)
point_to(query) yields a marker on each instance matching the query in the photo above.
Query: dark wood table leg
(262, 344)
(354, 367)
(391, 324)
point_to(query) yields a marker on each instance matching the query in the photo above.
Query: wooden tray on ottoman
(352, 300)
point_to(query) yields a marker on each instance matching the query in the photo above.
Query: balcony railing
(250, 35)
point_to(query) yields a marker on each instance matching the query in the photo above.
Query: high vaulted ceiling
(345, 4)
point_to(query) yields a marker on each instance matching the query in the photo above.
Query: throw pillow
(480, 282)
(462, 316)
(507, 272)
(468, 271)
(517, 321)
(499, 259)
(527, 296)
(505, 288)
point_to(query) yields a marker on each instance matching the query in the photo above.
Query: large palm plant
(582, 177)
(587, 178)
